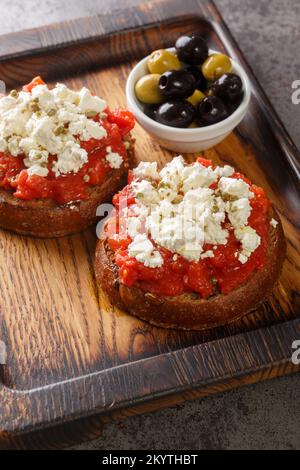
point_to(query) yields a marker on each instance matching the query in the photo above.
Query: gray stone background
(261, 416)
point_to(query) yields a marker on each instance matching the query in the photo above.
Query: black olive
(211, 110)
(175, 113)
(201, 82)
(150, 110)
(229, 88)
(177, 84)
(231, 107)
(191, 49)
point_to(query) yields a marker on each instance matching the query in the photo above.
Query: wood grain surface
(71, 354)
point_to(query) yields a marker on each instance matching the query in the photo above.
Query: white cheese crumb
(155, 260)
(242, 258)
(27, 144)
(95, 130)
(238, 211)
(171, 173)
(207, 254)
(38, 170)
(114, 159)
(249, 239)
(146, 170)
(274, 223)
(142, 249)
(133, 226)
(13, 146)
(145, 192)
(72, 158)
(37, 156)
(197, 175)
(44, 96)
(88, 102)
(42, 131)
(234, 187)
(225, 170)
(3, 145)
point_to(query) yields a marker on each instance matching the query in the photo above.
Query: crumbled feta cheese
(61, 92)
(26, 144)
(14, 121)
(133, 226)
(95, 130)
(142, 249)
(7, 103)
(242, 258)
(249, 239)
(234, 187)
(145, 192)
(72, 158)
(238, 211)
(38, 170)
(78, 126)
(42, 131)
(91, 103)
(36, 157)
(181, 213)
(199, 197)
(179, 232)
(225, 170)
(274, 223)
(171, 173)
(64, 116)
(140, 210)
(3, 145)
(13, 146)
(197, 175)
(44, 96)
(167, 193)
(146, 170)
(114, 159)
(207, 254)
(155, 260)
(51, 122)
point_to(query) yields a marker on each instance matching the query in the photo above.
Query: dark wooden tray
(70, 356)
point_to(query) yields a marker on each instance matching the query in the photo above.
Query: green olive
(193, 125)
(161, 61)
(146, 89)
(215, 66)
(196, 97)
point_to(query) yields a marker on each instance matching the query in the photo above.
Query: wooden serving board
(70, 353)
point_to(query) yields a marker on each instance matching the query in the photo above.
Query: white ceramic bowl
(186, 140)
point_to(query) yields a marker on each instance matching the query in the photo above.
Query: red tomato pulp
(178, 276)
(71, 186)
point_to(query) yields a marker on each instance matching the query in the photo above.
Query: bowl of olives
(188, 97)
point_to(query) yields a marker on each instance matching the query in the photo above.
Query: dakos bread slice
(188, 311)
(62, 154)
(153, 271)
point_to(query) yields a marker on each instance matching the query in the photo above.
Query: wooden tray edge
(265, 350)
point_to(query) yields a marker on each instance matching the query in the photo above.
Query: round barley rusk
(45, 218)
(187, 311)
